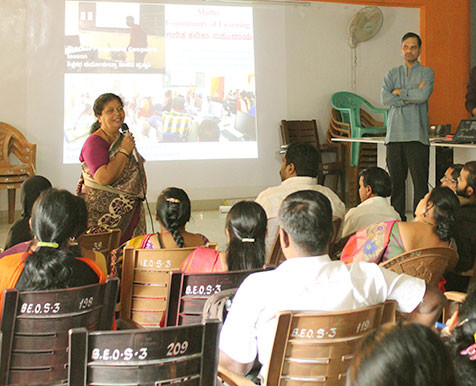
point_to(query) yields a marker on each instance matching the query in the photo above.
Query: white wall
(302, 57)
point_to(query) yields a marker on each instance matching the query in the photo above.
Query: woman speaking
(113, 182)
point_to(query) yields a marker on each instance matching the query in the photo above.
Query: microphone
(125, 130)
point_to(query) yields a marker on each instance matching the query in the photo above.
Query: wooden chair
(103, 242)
(428, 264)
(145, 283)
(277, 257)
(317, 348)
(14, 142)
(35, 324)
(190, 291)
(306, 131)
(186, 355)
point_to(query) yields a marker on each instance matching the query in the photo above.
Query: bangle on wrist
(124, 151)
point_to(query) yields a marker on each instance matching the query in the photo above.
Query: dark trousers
(401, 157)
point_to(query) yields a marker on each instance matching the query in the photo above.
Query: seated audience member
(375, 186)
(432, 227)
(52, 264)
(462, 342)
(177, 122)
(208, 131)
(298, 172)
(246, 230)
(173, 213)
(451, 176)
(309, 281)
(464, 228)
(30, 190)
(402, 354)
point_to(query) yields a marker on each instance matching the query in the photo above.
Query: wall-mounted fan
(364, 25)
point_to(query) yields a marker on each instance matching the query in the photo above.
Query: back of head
(57, 215)
(173, 211)
(208, 131)
(30, 190)
(246, 224)
(470, 167)
(461, 338)
(306, 216)
(378, 179)
(178, 103)
(402, 354)
(305, 158)
(446, 205)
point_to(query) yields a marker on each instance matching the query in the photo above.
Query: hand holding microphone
(128, 142)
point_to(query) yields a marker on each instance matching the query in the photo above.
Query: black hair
(57, 215)
(30, 190)
(98, 107)
(305, 158)
(446, 204)
(456, 170)
(461, 338)
(412, 35)
(378, 179)
(246, 220)
(402, 354)
(306, 216)
(208, 131)
(173, 210)
(471, 168)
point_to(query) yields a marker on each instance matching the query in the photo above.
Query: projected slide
(184, 72)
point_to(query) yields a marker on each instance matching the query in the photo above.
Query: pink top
(95, 153)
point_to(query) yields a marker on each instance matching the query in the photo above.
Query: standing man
(471, 93)
(406, 90)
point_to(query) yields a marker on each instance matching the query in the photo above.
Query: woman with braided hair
(246, 230)
(173, 213)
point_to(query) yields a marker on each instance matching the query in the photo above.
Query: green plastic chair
(349, 104)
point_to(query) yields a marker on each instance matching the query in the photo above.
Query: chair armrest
(455, 296)
(232, 378)
(127, 324)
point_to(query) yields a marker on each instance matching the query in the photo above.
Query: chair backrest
(35, 328)
(190, 291)
(428, 264)
(145, 284)
(103, 242)
(186, 355)
(349, 106)
(13, 141)
(318, 347)
(299, 131)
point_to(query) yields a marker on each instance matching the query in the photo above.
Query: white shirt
(271, 199)
(307, 284)
(371, 211)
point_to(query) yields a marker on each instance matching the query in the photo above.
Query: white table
(462, 153)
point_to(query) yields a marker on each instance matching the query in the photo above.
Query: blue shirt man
(406, 90)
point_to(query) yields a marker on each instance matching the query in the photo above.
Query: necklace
(109, 138)
(425, 222)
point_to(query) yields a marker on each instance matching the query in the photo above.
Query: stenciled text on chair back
(318, 347)
(185, 355)
(103, 242)
(35, 328)
(145, 283)
(428, 264)
(190, 291)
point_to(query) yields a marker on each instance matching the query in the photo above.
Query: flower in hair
(470, 351)
(173, 200)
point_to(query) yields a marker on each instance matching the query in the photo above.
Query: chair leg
(11, 205)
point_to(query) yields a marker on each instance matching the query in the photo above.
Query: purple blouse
(95, 153)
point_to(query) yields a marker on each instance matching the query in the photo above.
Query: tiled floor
(211, 223)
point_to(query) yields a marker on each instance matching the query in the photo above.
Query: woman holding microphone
(113, 182)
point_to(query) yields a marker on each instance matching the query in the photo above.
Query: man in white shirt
(374, 188)
(309, 281)
(298, 172)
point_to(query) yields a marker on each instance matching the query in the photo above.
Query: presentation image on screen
(184, 72)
